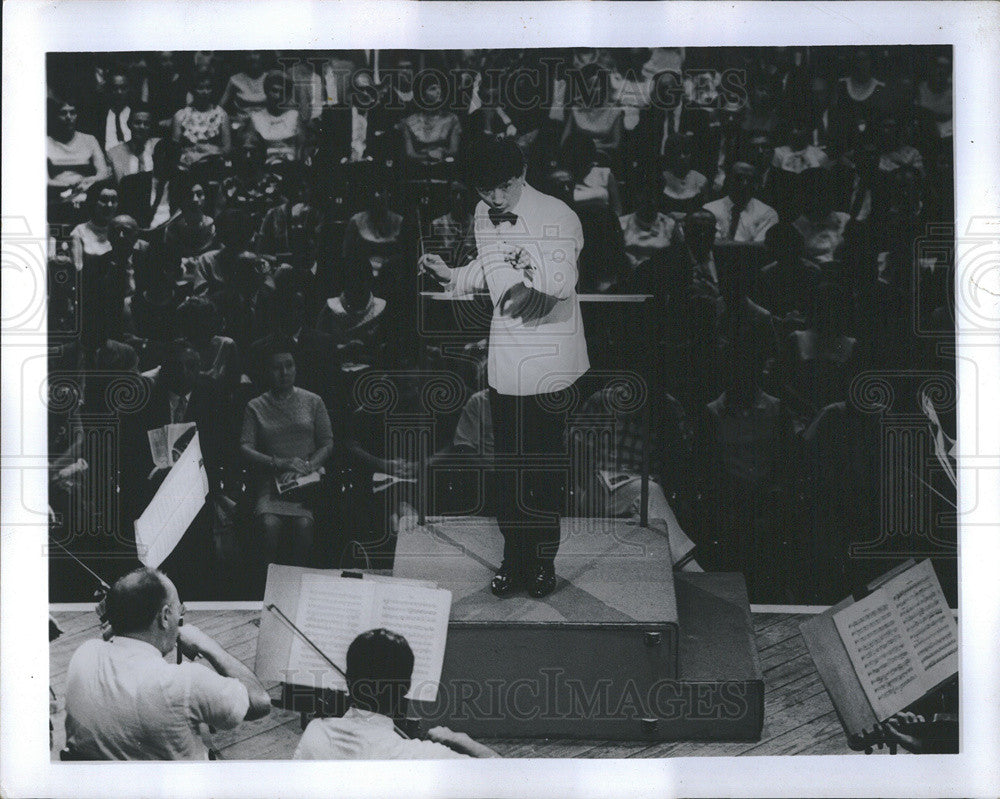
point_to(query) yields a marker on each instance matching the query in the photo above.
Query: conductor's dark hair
(379, 669)
(135, 600)
(491, 161)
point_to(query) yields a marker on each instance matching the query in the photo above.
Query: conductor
(528, 244)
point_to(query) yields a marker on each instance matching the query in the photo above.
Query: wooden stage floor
(798, 715)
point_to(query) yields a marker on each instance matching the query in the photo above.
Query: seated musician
(124, 701)
(619, 493)
(379, 670)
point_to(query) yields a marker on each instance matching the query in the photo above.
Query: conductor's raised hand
(432, 264)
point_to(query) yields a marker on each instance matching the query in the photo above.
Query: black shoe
(505, 581)
(542, 582)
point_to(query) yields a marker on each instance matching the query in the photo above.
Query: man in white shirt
(115, 123)
(125, 702)
(136, 154)
(739, 215)
(379, 670)
(528, 245)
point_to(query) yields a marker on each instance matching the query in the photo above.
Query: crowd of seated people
(241, 231)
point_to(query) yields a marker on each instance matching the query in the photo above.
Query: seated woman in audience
(197, 322)
(798, 153)
(278, 123)
(860, 97)
(75, 160)
(245, 90)
(190, 231)
(354, 318)
(374, 234)
(287, 434)
(647, 231)
(249, 160)
(821, 361)
(594, 115)
(90, 239)
(201, 129)
(684, 188)
(431, 135)
(593, 184)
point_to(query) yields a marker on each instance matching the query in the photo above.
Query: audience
(75, 162)
(775, 233)
(431, 134)
(201, 129)
(90, 239)
(592, 112)
(286, 435)
(245, 90)
(135, 155)
(683, 186)
(190, 231)
(647, 231)
(740, 216)
(278, 123)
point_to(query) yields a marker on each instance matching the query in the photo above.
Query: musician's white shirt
(363, 735)
(125, 702)
(547, 354)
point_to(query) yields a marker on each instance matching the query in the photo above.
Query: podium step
(613, 653)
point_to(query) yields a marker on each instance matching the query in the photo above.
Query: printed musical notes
(333, 610)
(902, 639)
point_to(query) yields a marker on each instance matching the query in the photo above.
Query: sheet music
(420, 615)
(902, 639)
(332, 611)
(174, 506)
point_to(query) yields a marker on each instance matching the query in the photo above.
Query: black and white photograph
(403, 402)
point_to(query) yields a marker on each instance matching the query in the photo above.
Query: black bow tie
(496, 217)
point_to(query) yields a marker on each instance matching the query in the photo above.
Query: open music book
(332, 611)
(881, 652)
(902, 639)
